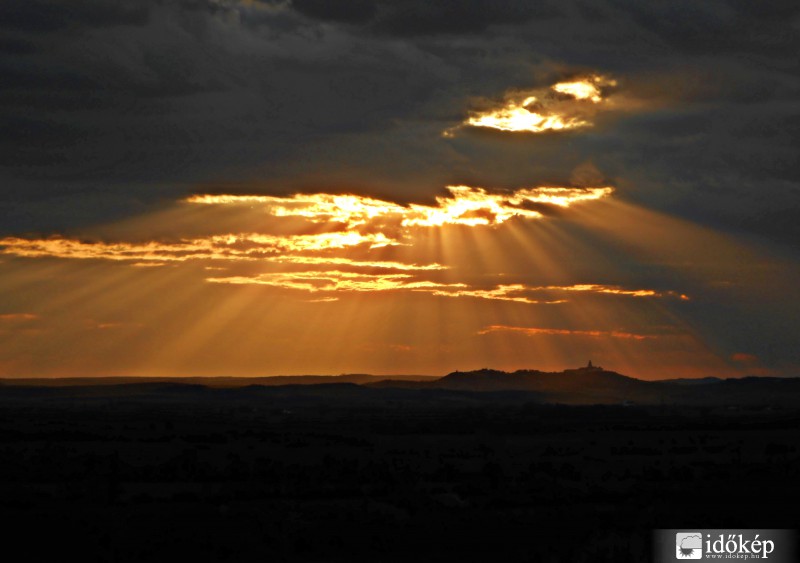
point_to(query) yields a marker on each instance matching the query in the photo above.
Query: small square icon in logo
(689, 545)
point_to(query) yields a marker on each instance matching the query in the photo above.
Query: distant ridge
(595, 385)
(215, 382)
(588, 385)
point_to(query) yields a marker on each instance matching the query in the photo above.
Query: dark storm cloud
(353, 11)
(111, 101)
(471, 16)
(15, 46)
(718, 26)
(39, 16)
(684, 24)
(416, 17)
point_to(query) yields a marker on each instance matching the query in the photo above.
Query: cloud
(464, 205)
(476, 206)
(244, 246)
(538, 331)
(694, 541)
(352, 11)
(341, 261)
(614, 290)
(363, 222)
(322, 300)
(522, 293)
(351, 210)
(717, 26)
(334, 281)
(43, 16)
(111, 325)
(16, 317)
(112, 105)
(509, 292)
(111, 110)
(565, 105)
(743, 358)
(415, 18)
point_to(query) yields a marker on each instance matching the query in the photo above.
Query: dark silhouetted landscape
(475, 466)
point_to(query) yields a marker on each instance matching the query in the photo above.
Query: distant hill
(575, 386)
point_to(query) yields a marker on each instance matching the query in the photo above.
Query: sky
(264, 187)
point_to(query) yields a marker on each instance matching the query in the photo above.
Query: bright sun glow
(537, 111)
(521, 117)
(589, 88)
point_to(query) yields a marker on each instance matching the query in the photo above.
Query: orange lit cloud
(475, 206)
(589, 88)
(743, 358)
(217, 247)
(341, 281)
(512, 292)
(614, 290)
(464, 205)
(521, 292)
(338, 261)
(535, 331)
(563, 106)
(15, 317)
(336, 280)
(109, 325)
(352, 210)
(751, 364)
(323, 260)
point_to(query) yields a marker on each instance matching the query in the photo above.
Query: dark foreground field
(325, 474)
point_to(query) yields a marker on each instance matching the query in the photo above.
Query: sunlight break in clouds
(565, 105)
(388, 225)
(464, 205)
(370, 224)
